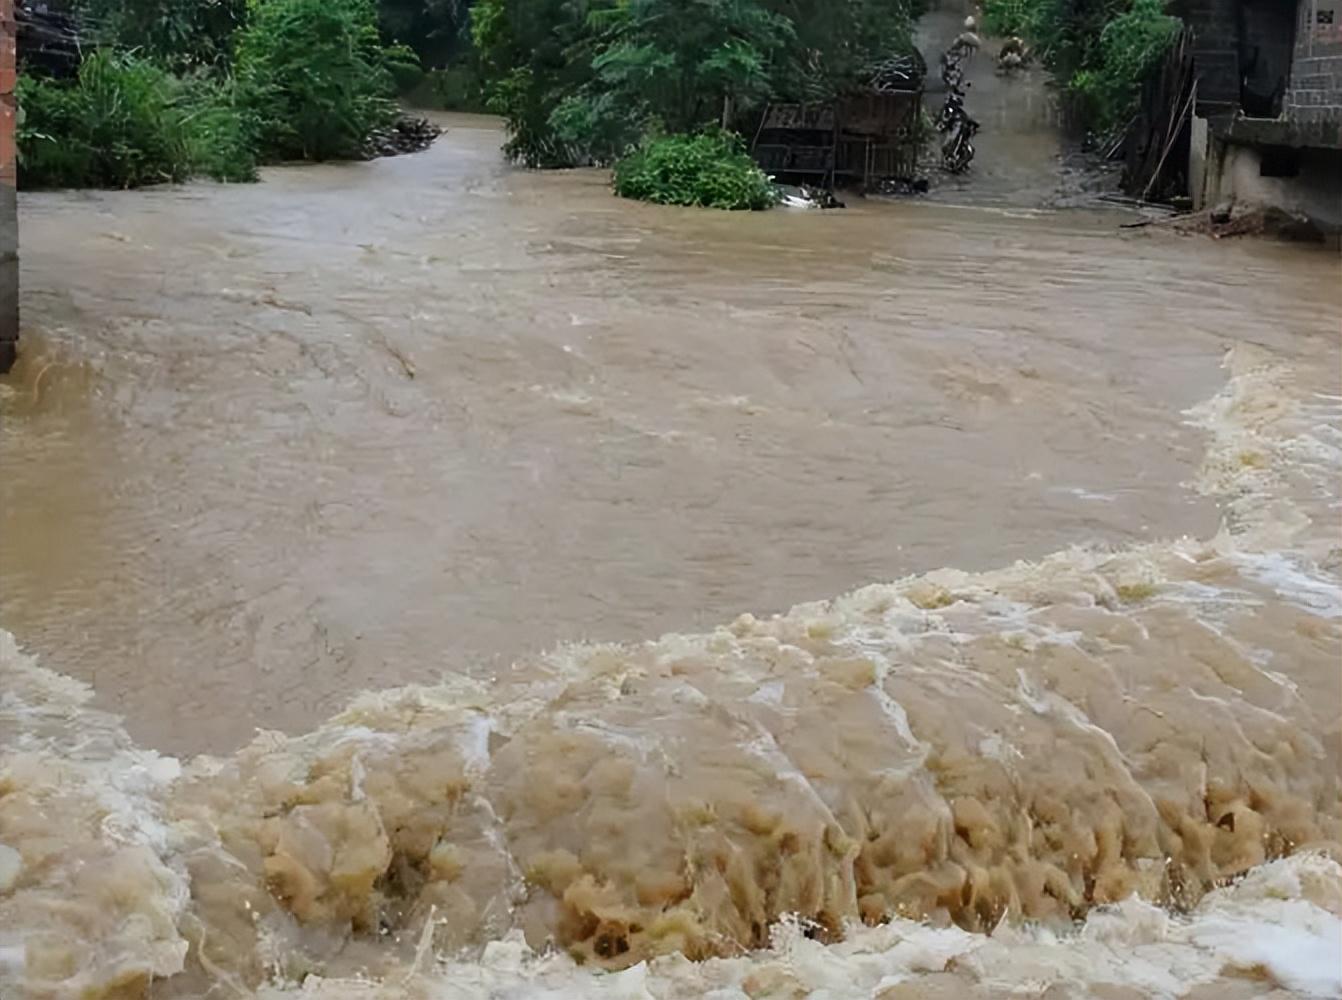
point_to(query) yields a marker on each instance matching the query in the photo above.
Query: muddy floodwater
(455, 443)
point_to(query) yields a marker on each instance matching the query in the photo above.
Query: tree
(678, 60)
(524, 50)
(582, 80)
(315, 76)
(436, 29)
(181, 34)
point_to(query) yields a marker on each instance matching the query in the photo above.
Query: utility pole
(9, 205)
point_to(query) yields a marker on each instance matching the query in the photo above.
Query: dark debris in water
(407, 134)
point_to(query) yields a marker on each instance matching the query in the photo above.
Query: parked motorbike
(957, 152)
(952, 69)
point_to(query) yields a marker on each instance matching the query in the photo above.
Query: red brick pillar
(9, 208)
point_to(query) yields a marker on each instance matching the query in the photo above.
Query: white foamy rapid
(1110, 774)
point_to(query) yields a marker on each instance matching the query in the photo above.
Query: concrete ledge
(1322, 132)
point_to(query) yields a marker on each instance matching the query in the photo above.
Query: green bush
(221, 132)
(1131, 46)
(316, 77)
(711, 169)
(125, 122)
(597, 128)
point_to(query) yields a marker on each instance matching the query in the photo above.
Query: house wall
(1234, 172)
(1315, 94)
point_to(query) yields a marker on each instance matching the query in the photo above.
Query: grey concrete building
(1268, 117)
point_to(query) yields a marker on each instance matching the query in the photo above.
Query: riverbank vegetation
(1101, 51)
(656, 86)
(177, 88)
(582, 82)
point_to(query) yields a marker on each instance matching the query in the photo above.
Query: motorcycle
(958, 150)
(952, 72)
(951, 111)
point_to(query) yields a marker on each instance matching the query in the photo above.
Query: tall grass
(125, 122)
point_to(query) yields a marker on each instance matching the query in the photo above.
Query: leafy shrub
(711, 169)
(596, 128)
(1013, 17)
(315, 76)
(221, 132)
(125, 122)
(404, 66)
(1131, 46)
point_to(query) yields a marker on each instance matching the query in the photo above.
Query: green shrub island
(711, 170)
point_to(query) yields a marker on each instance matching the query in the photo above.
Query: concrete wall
(9, 214)
(1235, 172)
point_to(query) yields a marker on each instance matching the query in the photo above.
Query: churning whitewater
(1106, 773)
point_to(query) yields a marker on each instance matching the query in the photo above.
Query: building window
(1323, 17)
(1279, 161)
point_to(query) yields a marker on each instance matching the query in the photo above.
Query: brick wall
(9, 218)
(1315, 94)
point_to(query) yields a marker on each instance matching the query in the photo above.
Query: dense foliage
(180, 34)
(185, 87)
(124, 122)
(315, 75)
(581, 80)
(711, 170)
(1101, 49)
(179, 87)
(438, 30)
(1131, 46)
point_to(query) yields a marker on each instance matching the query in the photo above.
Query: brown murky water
(367, 425)
(416, 421)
